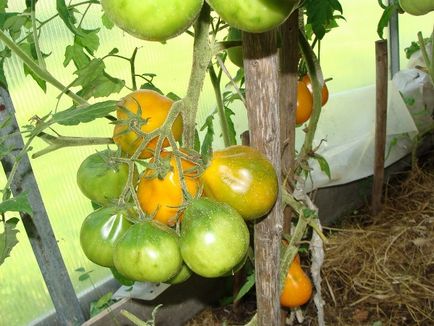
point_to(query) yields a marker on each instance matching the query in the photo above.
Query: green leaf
(95, 82)
(18, 203)
(173, 96)
(75, 116)
(102, 303)
(66, 15)
(107, 22)
(232, 133)
(206, 148)
(29, 49)
(196, 146)
(150, 86)
(3, 5)
(8, 239)
(384, 19)
(88, 39)
(3, 80)
(323, 164)
(250, 281)
(320, 15)
(84, 276)
(76, 54)
(80, 269)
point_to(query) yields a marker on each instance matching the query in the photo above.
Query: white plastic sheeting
(347, 126)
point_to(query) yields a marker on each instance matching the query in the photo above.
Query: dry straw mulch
(381, 269)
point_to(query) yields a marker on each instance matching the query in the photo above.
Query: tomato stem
(215, 81)
(202, 54)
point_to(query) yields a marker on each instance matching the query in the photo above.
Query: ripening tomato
(148, 110)
(244, 178)
(100, 231)
(148, 252)
(153, 20)
(214, 238)
(304, 103)
(102, 178)
(162, 196)
(297, 289)
(324, 91)
(254, 16)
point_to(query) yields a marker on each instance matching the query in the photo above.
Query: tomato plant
(148, 252)
(214, 238)
(324, 91)
(146, 110)
(255, 16)
(297, 289)
(153, 20)
(242, 177)
(99, 233)
(102, 178)
(160, 193)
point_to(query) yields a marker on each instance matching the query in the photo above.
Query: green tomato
(417, 7)
(148, 252)
(99, 233)
(102, 179)
(214, 238)
(254, 16)
(153, 20)
(182, 276)
(235, 53)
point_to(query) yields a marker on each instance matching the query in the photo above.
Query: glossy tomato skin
(244, 178)
(148, 252)
(102, 179)
(152, 20)
(162, 197)
(214, 238)
(99, 233)
(324, 91)
(304, 103)
(254, 16)
(154, 109)
(297, 288)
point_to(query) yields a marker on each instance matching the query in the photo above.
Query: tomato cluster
(176, 216)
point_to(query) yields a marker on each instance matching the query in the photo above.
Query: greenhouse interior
(203, 162)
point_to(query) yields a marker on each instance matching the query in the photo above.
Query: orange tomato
(152, 109)
(304, 103)
(325, 92)
(298, 287)
(162, 197)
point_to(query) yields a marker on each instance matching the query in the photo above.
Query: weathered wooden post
(37, 226)
(262, 99)
(380, 123)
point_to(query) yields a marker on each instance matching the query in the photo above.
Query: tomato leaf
(8, 239)
(248, 284)
(88, 39)
(206, 148)
(107, 22)
(75, 116)
(18, 203)
(384, 19)
(320, 15)
(323, 164)
(232, 133)
(120, 278)
(102, 303)
(76, 54)
(29, 49)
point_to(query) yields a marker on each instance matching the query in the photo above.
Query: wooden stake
(262, 99)
(380, 123)
(288, 64)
